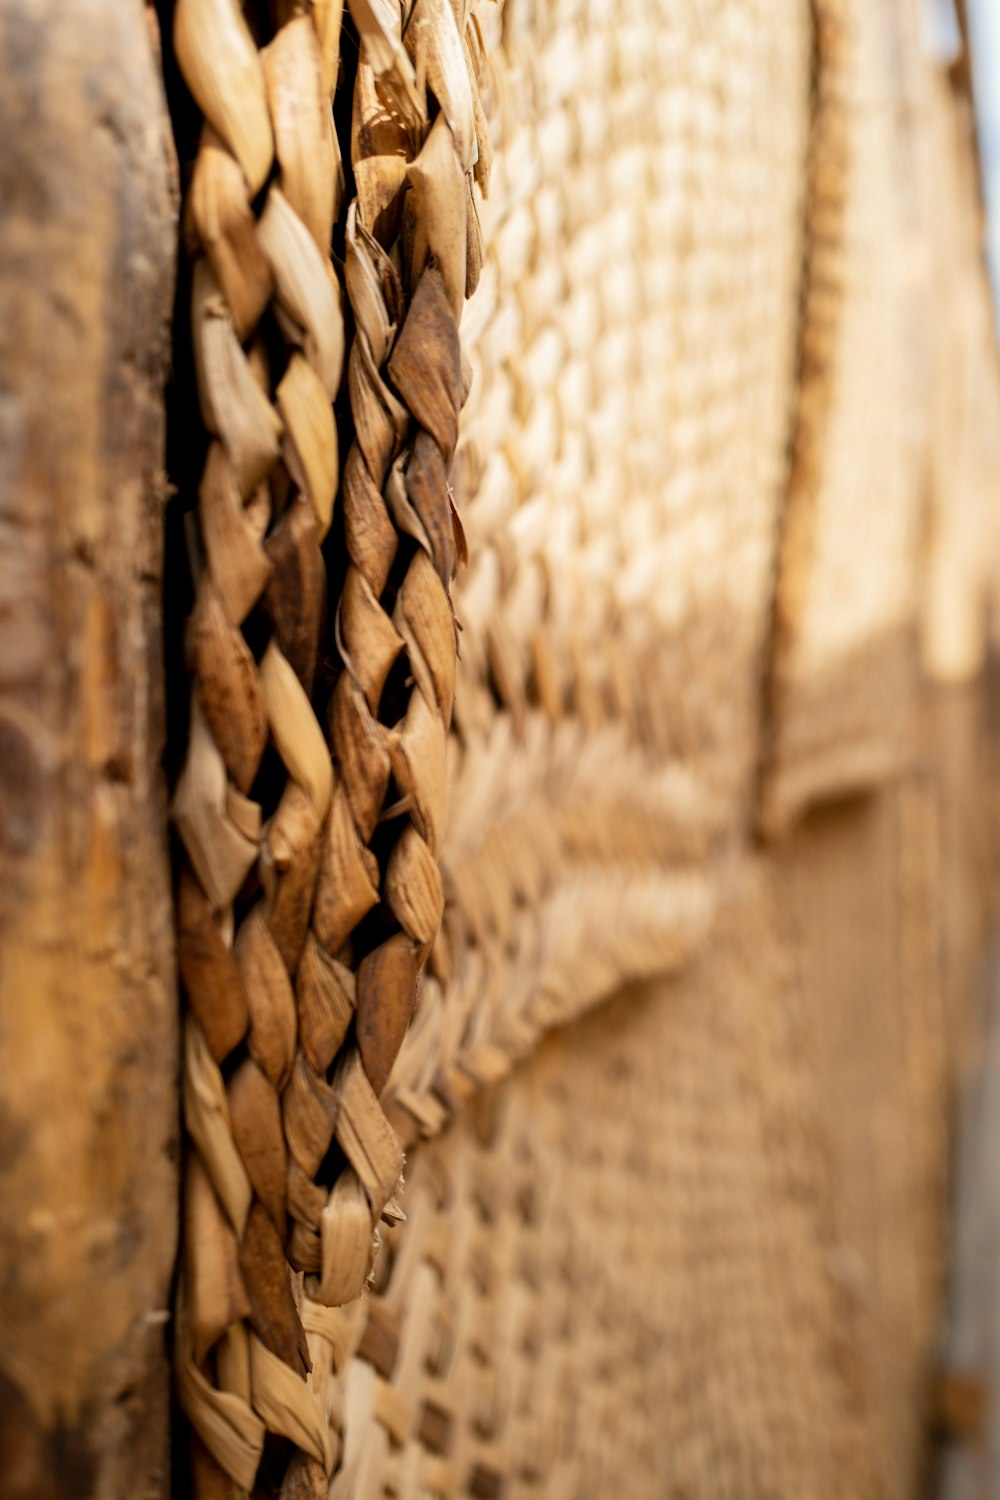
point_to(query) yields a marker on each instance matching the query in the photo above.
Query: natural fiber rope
(407, 274)
(395, 488)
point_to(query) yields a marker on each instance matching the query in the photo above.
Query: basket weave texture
(555, 524)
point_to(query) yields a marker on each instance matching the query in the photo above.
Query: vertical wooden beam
(88, 1094)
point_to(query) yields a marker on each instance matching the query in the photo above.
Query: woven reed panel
(694, 1247)
(697, 252)
(619, 476)
(847, 593)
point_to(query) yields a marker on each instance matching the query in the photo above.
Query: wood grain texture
(88, 1097)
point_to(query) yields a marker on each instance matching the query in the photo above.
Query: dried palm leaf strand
(265, 504)
(406, 277)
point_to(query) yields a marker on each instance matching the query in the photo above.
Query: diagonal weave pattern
(618, 474)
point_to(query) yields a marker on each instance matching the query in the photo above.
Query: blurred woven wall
(730, 477)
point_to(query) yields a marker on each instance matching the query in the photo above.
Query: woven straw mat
(482, 555)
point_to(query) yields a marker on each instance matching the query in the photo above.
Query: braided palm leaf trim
(268, 341)
(294, 1016)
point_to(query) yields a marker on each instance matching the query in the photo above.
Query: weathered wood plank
(87, 1000)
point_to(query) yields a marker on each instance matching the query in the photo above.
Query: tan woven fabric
(584, 793)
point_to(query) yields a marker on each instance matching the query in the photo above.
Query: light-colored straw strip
(843, 668)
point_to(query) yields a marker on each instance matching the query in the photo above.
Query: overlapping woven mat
(423, 824)
(847, 597)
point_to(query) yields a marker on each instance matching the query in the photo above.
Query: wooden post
(88, 1092)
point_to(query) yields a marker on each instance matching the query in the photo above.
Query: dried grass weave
(524, 783)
